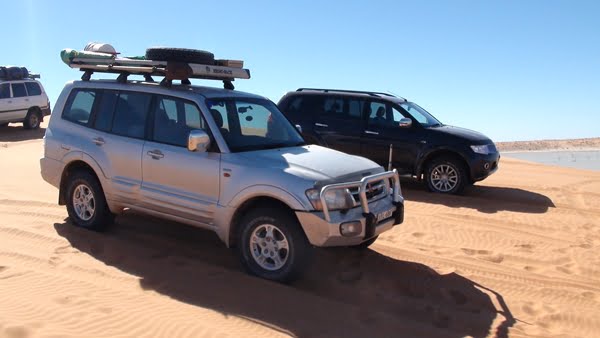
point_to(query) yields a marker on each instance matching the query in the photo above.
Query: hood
(315, 163)
(462, 133)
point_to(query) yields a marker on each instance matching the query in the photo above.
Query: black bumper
(371, 219)
(483, 166)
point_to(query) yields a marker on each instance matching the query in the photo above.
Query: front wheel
(271, 245)
(366, 244)
(446, 175)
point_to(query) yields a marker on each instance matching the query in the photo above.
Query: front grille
(375, 190)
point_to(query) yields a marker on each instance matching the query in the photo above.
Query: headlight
(336, 199)
(483, 149)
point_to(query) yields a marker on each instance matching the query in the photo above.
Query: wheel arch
(443, 152)
(69, 169)
(255, 203)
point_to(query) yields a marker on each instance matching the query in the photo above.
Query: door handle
(9, 101)
(371, 132)
(155, 154)
(26, 100)
(321, 125)
(98, 141)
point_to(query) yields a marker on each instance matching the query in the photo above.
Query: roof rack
(378, 94)
(225, 70)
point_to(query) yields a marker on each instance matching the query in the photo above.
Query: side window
(174, 119)
(106, 110)
(33, 88)
(334, 106)
(218, 110)
(355, 107)
(397, 115)
(131, 113)
(377, 114)
(4, 91)
(79, 106)
(18, 90)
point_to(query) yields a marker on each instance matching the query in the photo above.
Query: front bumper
(483, 166)
(324, 228)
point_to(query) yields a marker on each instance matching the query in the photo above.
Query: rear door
(177, 181)
(117, 141)
(19, 104)
(338, 122)
(383, 130)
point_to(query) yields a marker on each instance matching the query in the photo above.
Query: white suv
(23, 101)
(217, 159)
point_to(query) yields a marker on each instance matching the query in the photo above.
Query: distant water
(580, 159)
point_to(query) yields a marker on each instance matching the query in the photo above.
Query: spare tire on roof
(180, 55)
(3, 74)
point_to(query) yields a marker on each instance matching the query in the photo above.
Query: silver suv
(217, 159)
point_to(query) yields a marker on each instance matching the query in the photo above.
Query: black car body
(369, 123)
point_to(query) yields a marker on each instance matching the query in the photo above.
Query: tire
(446, 175)
(2, 125)
(366, 244)
(3, 73)
(254, 243)
(180, 55)
(80, 185)
(14, 73)
(33, 119)
(24, 73)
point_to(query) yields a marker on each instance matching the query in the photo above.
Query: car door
(339, 123)
(383, 130)
(117, 138)
(20, 100)
(177, 181)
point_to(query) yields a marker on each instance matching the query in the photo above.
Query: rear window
(33, 88)
(131, 113)
(79, 106)
(18, 90)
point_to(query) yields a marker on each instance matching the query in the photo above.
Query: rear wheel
(271, 245)
(446, 175)
(33, 119)
(86, 204)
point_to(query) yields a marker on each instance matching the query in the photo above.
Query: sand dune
(517, 255)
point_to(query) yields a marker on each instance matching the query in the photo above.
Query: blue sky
(514, 70)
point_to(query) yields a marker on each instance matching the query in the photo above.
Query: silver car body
(205, 189)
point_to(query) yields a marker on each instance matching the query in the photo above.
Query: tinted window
(79, 106)
(333, 106)
(18, 90)
(343, 108)
(4, 91)
(377, 113)
(106, 110)
(33, 88)
(173, 121)
(130, 114)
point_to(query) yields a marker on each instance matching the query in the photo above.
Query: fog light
(486, 166)
(350, 229)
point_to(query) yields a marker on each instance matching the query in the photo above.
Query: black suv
(370, 124)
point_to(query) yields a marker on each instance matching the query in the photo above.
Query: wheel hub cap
(444, 177)
(84, 202)
(269, 247)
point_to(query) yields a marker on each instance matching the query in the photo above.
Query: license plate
(384, 215)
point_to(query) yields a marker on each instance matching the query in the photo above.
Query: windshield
(252, 124)
(420, 114)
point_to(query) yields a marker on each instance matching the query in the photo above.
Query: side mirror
(198, 140)
(299, 128)
(405, 122)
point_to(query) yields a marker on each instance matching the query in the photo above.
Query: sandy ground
(517, 255)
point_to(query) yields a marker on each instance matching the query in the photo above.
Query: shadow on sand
(346, 292)
(481, 198)
(15, 133)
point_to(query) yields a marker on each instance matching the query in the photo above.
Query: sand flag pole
(390, 159)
